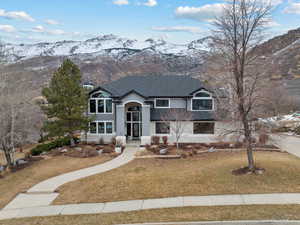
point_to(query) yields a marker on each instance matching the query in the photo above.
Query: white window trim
(166, 134)
(204, 122)
(160, 107)
(105, 106)
(97, 125)
(203, 98)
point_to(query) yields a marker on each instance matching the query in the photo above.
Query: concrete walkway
(290, 144)
(43, 194)
(133, 205)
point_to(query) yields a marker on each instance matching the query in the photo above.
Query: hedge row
(60, 142)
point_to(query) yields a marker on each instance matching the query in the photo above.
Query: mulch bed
(247, 171)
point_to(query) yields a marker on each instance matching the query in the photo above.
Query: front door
(136, 130)
(133, 122)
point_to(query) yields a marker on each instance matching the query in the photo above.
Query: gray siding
(146, 120)
(178, 103)
(120, 120)
(103, 117)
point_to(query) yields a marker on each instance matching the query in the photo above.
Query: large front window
(101, 127)
(100, 103)
(202, 101)
(204, 128)
(162, 128)
(162, 103)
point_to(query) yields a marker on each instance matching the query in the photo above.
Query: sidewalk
(134, 205)
(43, 194)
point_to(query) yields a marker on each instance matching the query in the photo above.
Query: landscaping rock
(100, 151)
(212, 149)
(21, 162)
(163, 151)
(118, 150)
(64, 150)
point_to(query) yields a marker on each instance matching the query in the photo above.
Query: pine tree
(66, 102)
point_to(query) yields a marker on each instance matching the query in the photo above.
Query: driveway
(291, 144)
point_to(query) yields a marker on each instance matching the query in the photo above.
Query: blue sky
(178, 21)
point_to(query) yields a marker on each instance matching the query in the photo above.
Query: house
(132, 108)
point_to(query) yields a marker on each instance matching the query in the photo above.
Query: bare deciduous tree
(178, 121)
(237, 32)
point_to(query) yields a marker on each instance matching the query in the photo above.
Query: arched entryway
(133, 121)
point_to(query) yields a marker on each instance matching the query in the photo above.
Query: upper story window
(162, 103)
(100, 102)
(202, 101)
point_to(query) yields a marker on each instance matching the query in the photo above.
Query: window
(101, 127)
(204, 128)
(92, 106)
(202, 104)
(162, 128)
(202, 101)
(162, 103)
(101, 107)
(101, 103)
(109, 127)
(93, 128)
(108, 106)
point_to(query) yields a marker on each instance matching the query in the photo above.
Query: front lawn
(205, 174)
(13, 183)
(269, 212)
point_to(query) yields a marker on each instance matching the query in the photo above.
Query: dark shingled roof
(154, 85)
(158, 114)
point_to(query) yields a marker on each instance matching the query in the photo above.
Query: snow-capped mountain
(103, 45)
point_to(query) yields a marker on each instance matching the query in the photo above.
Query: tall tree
(237, 32)
(66, 102)
(176, 121)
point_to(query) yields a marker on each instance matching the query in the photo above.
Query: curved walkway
(43, 194)
(134, 205)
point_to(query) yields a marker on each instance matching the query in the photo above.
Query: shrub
(297, 130)
(60, 142)
(148, 147)
(165, 140)
(113, 140)
(263, 139)
(155, 140)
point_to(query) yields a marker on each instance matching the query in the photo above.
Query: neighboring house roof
(158, 114)
(154, 86)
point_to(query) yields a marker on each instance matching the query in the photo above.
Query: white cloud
(150, 3)
(16, 15)
(292, 8)
(52, 22)
(203, 13)
(178, 29)
(41, 29)
(272, 23)
(7, 28)
(121, 2)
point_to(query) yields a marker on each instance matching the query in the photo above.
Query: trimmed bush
(60, 142)
(165, 140)
(155, 140)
